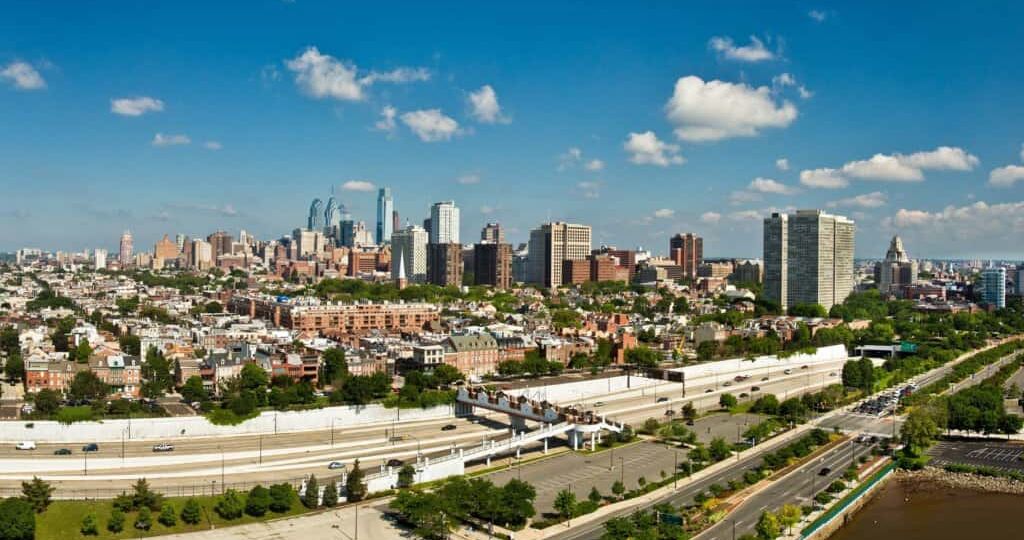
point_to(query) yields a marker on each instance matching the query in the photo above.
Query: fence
(850, 498)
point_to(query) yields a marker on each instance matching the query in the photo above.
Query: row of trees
(433, 514)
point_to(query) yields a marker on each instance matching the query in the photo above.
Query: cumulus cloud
(746, 215)
(170, 140)
(468, 179)
(136, 106)
(484, 106)
(782, 164)
(744, 197)
(574, 156)
(715, 110)
(767, 185)
(431, 125)
(817, 15)
(212, 145)
(754, 52)
(867, 200)
(23, 76)
(594, 165)
(976, 228)
(324, 76)
(589, 189)
(387, 119)
(358, 185)
(785, 80)
(892, 167)
(664, 213)
(710, 217)
(1006, 176)
(646, 149)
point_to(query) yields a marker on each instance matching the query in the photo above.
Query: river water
(901, 511)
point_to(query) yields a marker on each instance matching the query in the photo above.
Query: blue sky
(642, 120)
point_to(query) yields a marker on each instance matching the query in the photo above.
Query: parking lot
(995, 454)
(885, 403)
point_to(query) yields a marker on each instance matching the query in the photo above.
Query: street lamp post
(221, 468)
(261, 449)
(675, 469)
(622, 471)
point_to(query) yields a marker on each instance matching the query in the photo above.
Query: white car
(25, 445)
(163, 447)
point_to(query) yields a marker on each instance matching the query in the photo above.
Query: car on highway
(91, 447)
(661, 400)
(787, 371)
(598, 404)
(708, 391)
(334, 465)
(755, 388)
(670, 412)
(448, 427)
(727, 383)
(833, 374)
(25, 445)
(824, 471)
(763, 379)
(163, 447)
(394, 462)
(62, 452)
(744, 394)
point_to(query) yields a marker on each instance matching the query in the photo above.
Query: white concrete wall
(760, 366)
(574, 392)
(197, 426)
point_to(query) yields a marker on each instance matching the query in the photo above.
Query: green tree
(37, 493)
(167, 517)
(254, 377)
(516, 502)
(355, 485)
(9, 340)
(923, 425)
(594, 496)
(707, 350)
(790, 515)
(334, 367)
(17, 519)
(618, 489)
(130, 344)
(14, 368)
(689, 412)
(144, 497)
(144, 520)
(193, 389)
(406, 475)
(116, 522)
(258, 501)
(281, 497)
(808, 310)
(727, 401)
(311, 498)
(719, 449)
(768, 526)
(565, 503)
(191, 513)
(86, 385)
(90, 525)
(229, 505)
(643, 356)
(330, 494)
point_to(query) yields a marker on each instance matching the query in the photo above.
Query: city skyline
(152, 125)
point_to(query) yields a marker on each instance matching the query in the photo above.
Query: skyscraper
(993, 287)
(444, 264)
(99, 259)
(492, 233)
(124, 254)
(409, 254)
(492, 264)
(316, 212)
(687, 251)
(897, 270)
(808, 258)
(385, 210)
(331, 215)
(551, 245)
(444, 223)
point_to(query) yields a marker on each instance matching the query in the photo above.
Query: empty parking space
(1000, 455)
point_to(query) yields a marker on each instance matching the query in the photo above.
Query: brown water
(902, 512)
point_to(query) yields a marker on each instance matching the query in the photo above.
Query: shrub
(258, 501)
(144, 520)
(330, 495)
(89, 526)
(230, 505)
(191, 513)
(281, 497)
(167, 517)
(311, 498)
(116, 522)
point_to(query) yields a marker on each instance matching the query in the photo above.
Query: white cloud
(387, 119)
(710, 217)
(358, 185)
(645, 149)
(784, 80)
(468, 179)
(213, 145)
(892, 167)
(484, 106)
(431, 125)
(754, 52)
(976, 228)
(823, 178)
(867, 200)
(487, 210)
(574, 156)
(743, 197)
(767, 185)
(594, 165)
(23, 76)
(1006, 176)
(136, 106)
(714, 110)
(664, 213)
(745, 215)
(170, 140)
(589, 189)
(323, 76)
(817, 15)
(782, 164)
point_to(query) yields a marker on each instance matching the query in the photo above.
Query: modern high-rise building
(307, 243)
(179, 239)
(332, 215)
(492, 233)
(409, 253)
(385, 216)
(201, 254)
(315, 221)
(687, 251)
(897, 270)
(993, 287)
(444, 223)
(444, 264)
(551, 245)
(124, 254)
(165, 250)
(221, 242)
(99, 259)
(808, 258)
(492, 264)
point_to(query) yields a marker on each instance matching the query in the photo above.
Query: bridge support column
(463, 409)
(518, 423)
(488, 461)
(593, 441)
(545, 445)
(517, 451)
(575, 439)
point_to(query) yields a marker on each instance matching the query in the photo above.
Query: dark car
(755, 388)
(764, 379)
(394, 462)
(91, 447)
(662, 400)
(708, 391)
(62, 452)
(670, 412)
(824, 471)
(448, 427)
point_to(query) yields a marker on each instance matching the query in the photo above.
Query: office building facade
(687, 251)
(551, 245)
(444, 223)
(808, 258)
(385, 219)
(409, 254)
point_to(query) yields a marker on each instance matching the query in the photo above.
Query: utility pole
(261, 449)
(675, 469)
(221, 469)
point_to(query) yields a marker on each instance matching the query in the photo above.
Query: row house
(474, 355)
(122, 373)
(42, 373)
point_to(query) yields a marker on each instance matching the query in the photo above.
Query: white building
(409, 254)
(444, 223)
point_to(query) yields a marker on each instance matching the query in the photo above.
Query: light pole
(675, 469)
(221, 468)
(622, 471)
(261, 449)
(85, 457)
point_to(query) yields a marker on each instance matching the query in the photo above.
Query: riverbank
(935, 478)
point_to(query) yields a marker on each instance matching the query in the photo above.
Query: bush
(836, 487)
(330, 495)
(823, 498)
(89, 526)
(116, 523)
(311, 498)
(144, 521)
(167, 517)
(191, 513)
(230, 505)
(281, 497)
(258, 501)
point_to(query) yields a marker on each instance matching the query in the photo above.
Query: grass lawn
(63, 519)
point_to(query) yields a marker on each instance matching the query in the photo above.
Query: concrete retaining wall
(761, 365)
